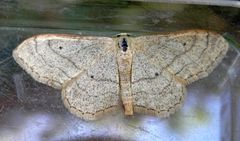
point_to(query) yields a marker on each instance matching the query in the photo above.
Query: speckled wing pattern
(85, 64)
(155, 91)
(164, 64)
(95, 91)
(188, 55)
(53, 59)
(96, 76)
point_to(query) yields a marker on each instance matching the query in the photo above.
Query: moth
(145, 74)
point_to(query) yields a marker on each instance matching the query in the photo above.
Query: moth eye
(184, 44)
(156, 74)
(92, 76)
(60, 47)
(118, 35)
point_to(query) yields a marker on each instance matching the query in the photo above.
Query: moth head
(123, 43)
(123, 34)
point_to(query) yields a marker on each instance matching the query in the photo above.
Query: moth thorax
(123, 44)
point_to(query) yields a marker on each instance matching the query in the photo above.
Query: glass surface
(30, 111)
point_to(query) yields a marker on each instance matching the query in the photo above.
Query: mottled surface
(94, 91)
(164, 64)
(149, 77)
(55, 59)
(187, 55)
